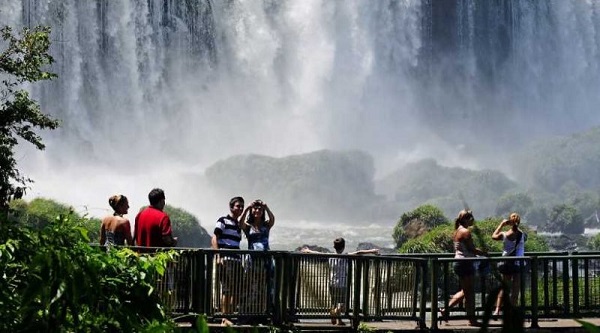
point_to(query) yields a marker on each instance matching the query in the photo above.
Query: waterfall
(152, 82)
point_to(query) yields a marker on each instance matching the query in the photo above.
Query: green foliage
(186, 228)
(53, 281)
(339, 184)
(22, 61)
(537, 215)
(588, 327)
(437, 240)
(416, 222)
(550, 164)
(513, 202)
(39, 212)
(428, 182)
(594, 243)
(566, 219)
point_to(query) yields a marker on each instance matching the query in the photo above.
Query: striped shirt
(228, 233)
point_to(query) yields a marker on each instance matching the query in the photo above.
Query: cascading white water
(159, 83)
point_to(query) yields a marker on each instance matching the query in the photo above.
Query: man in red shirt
(152, 225)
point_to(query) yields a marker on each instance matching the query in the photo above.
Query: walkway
(546, 325)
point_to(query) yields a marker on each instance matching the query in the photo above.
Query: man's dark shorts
(230, 275)
(338, 295)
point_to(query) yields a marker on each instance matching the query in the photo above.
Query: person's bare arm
(127, 231)
(270, 215)
(497, 235)
(242, 219)
(102, 233)
(371, 251)
(307, 250)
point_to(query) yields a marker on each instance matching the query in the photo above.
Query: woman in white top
(513, 242)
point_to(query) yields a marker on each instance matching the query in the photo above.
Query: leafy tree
(594, 243)
(54, 281)
(21, 62)
(514, 202)
(187, 229)
(551, 163)
(437, 240)
(336, 183)
(417, 222)
(566, 219)
(537, 215)
(39, 212)
(426, 181)
(586, 202)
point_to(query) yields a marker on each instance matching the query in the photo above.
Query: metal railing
(283, 288)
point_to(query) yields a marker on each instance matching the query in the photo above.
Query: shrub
(54, 281)
(416, 222)
(187, 229)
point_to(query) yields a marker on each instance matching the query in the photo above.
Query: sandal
(444, 315)
(333, 316)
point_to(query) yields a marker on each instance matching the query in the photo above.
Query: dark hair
(116, 200)
(339, 244)
(263, 216)
(463, 216)
(234, 200)
(155, 196)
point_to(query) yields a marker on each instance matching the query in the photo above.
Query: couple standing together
(513, 245)
(152, 225)
(256, 222)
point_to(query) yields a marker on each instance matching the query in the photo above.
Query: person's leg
(332, 311)
(456, 298)
(515, 289)
(467, 285)
(507, 281)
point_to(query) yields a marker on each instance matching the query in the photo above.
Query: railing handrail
(559, 284)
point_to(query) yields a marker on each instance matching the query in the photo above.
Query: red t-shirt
(151, 225)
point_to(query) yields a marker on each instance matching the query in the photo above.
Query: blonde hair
(116, 200)
(515, 218)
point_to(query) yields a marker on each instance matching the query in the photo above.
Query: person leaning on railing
(338, 274)
(464, 248)
(513, 243)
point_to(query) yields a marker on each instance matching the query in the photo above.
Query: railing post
(356, 292)
(279, 292)
(198, 281)
(575, 279)
(423, 299)
(565, 278)
(534, 293)
(433, 263)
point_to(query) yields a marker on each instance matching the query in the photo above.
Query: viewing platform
(397, 293)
